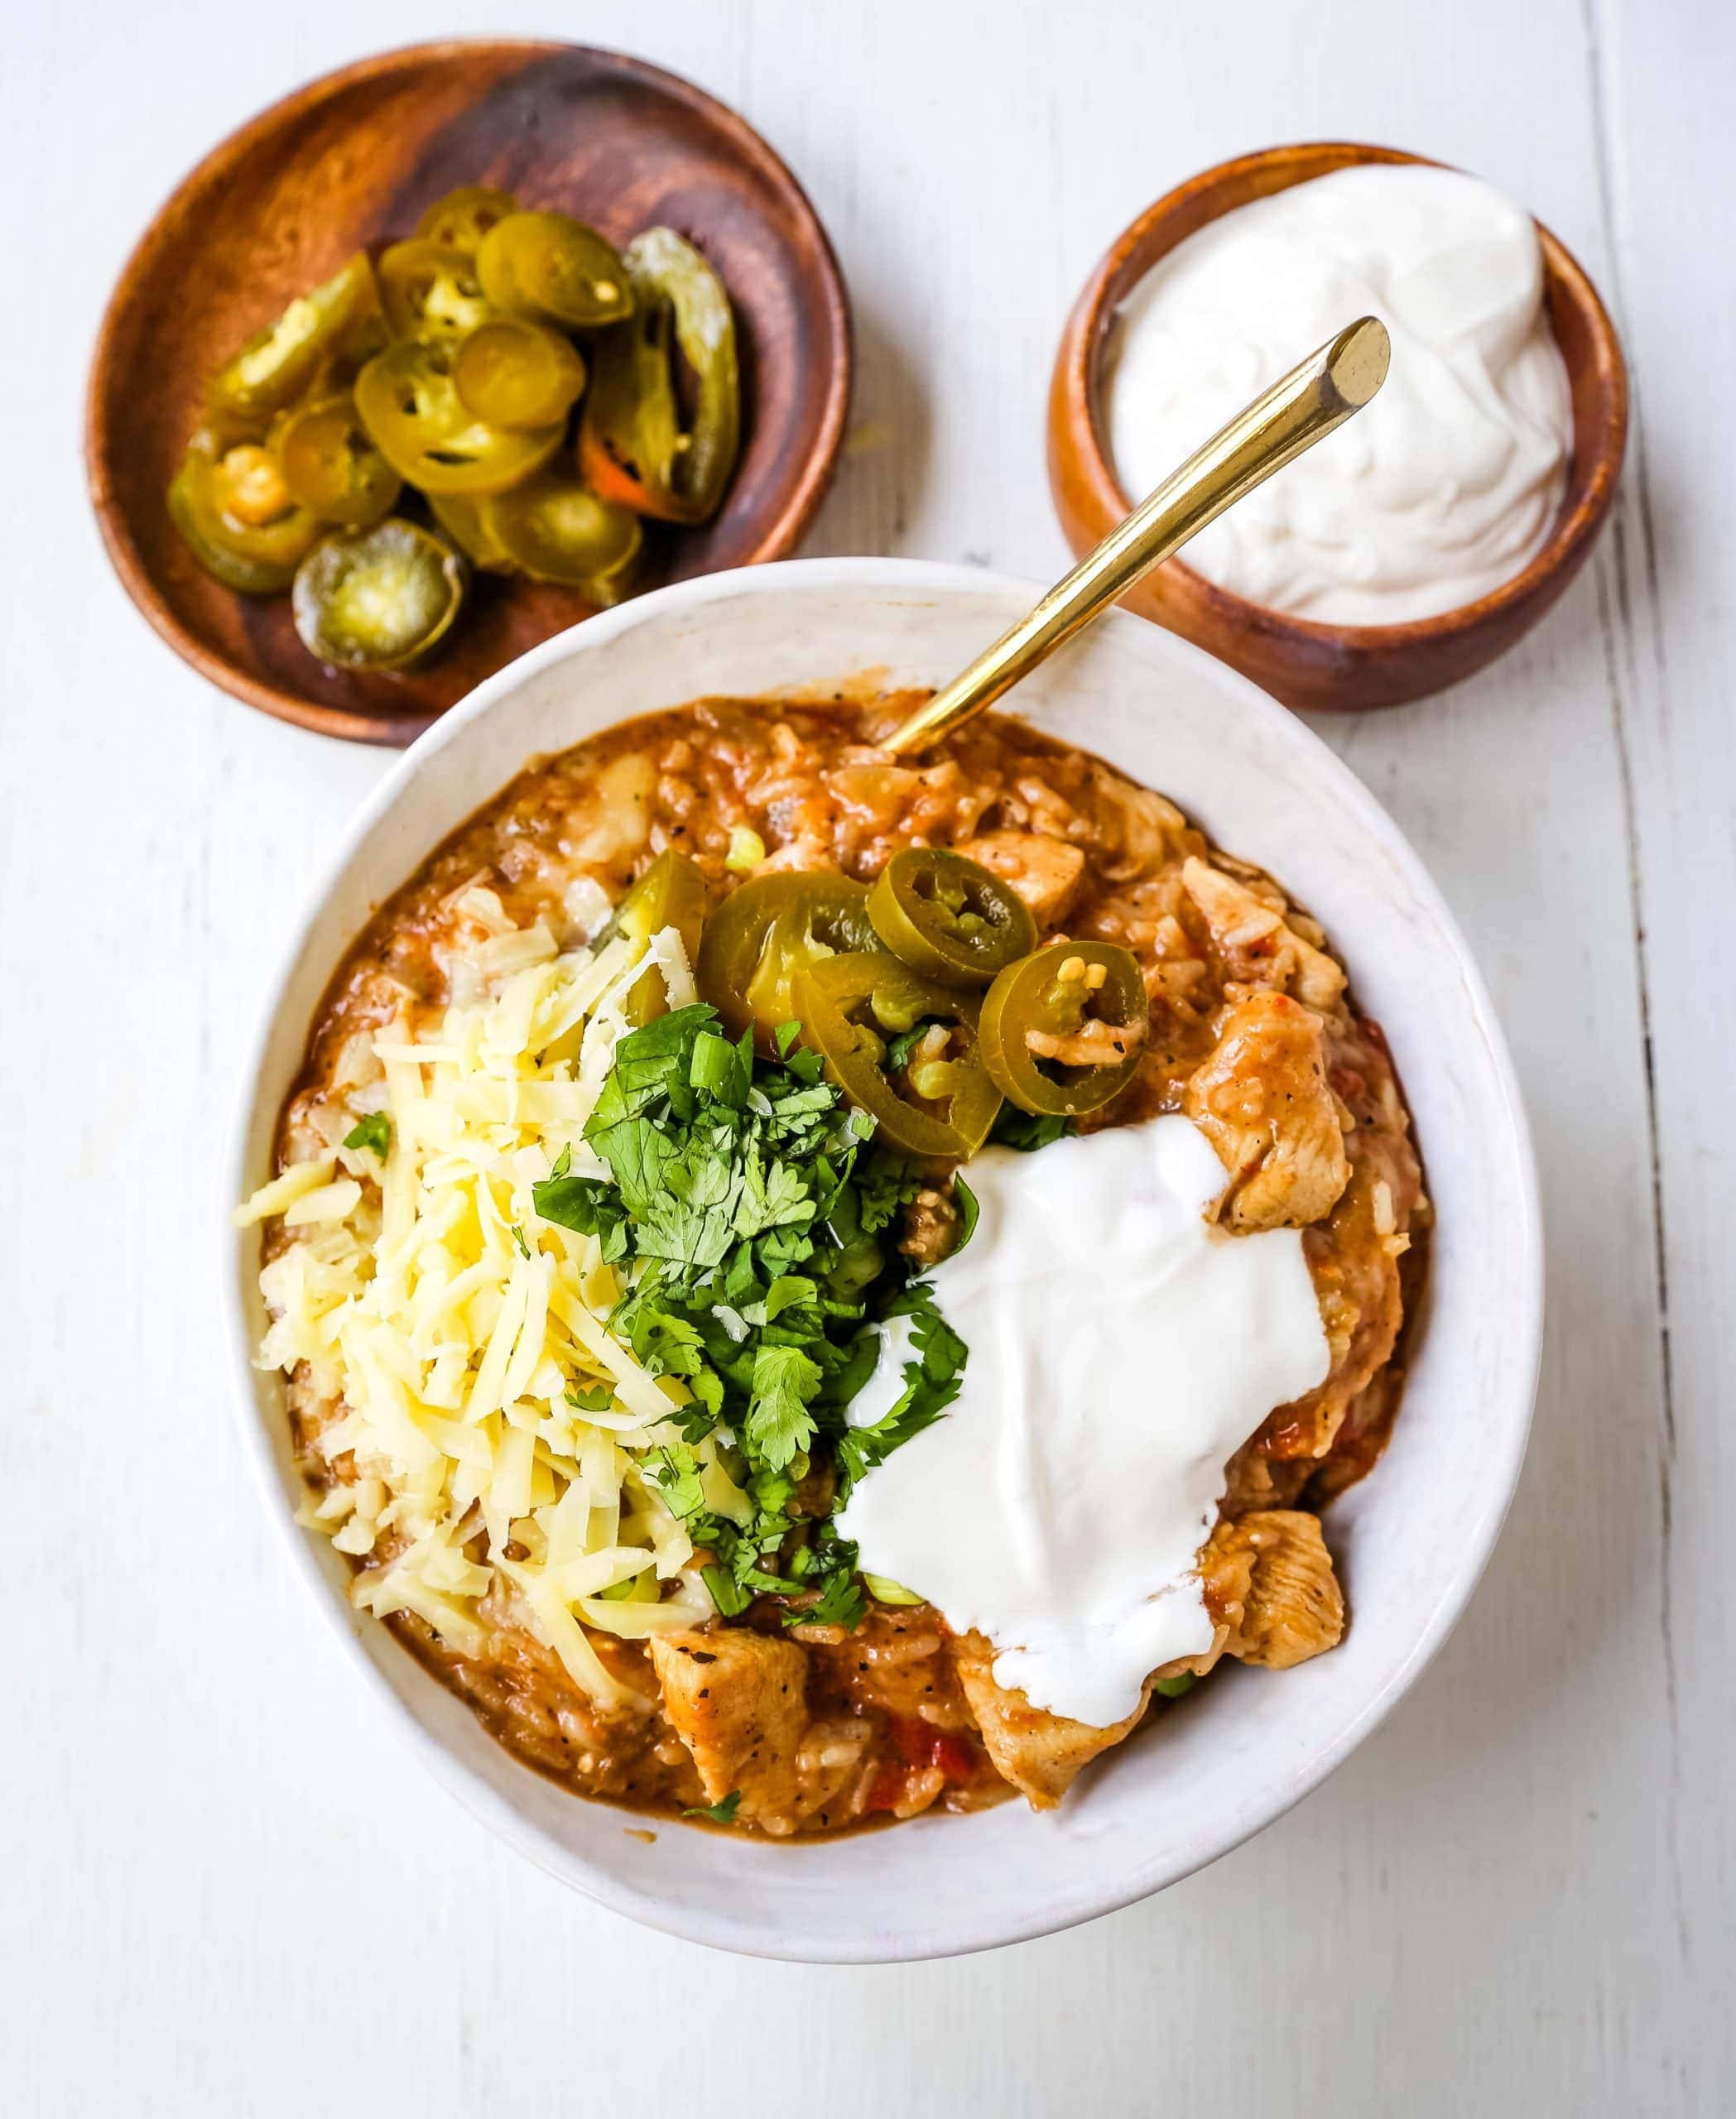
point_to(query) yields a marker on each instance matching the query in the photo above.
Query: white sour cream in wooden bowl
(1448, 484)
(1121, 1349)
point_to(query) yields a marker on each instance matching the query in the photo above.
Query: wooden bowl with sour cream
(1304, 662)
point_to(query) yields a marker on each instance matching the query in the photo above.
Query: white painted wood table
(224, 1889)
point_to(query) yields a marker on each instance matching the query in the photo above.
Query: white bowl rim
(721, 1929)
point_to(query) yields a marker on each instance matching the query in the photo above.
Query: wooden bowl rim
(1075, 412)
(776, 541)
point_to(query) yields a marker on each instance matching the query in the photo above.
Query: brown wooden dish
(353, 160)
(1304, 663)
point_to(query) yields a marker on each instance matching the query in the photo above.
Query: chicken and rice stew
(634, 1123)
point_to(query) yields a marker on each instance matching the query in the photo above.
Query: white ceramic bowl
(1412, 1540)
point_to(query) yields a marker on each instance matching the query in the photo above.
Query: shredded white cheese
(446, 1323)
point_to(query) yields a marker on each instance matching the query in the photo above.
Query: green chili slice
(410, 405)
(378, 598)
(671, 893)
(431, 291)
(554, 528)
(636, 444)
(1062, 1028)
(514, 374)
(339, 321)
(935, 1098)
(548, 265)
(331, 465)
(463, 217)
(767, 931)
(461, 518)
(238, 518)
(949, 917)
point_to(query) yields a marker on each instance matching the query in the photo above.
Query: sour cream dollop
(1447, 485)
(1120, 1349)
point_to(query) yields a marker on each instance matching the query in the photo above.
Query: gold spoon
(1313, 398)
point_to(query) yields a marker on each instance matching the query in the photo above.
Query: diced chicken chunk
(1261, 1098)
(1257, 944)
(1274, 1582)
(874, 795)
(806, 854)
(1040, 1753)
(1046, 871)
(1254, 1480)
(738, 1700)
(1356, 1278)
(609, 829)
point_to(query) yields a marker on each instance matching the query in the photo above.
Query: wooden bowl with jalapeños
(487, 335)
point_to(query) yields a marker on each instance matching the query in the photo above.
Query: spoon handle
(1318, 395)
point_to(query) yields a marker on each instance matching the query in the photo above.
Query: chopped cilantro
(373, 1132)
(742, 1207)
(900, 1048)
(676, 1472)
(787, 1291)
(518, 1238)
(786, 1035)
(970, 1212)
(584, 1205)
(731, 1599)
(1020, 1129)
(716, 1065)
(806, 1066)
(594, 1398)
(841, 1602)
(931, 1384)
(779, 1423)
(889, 1183)
(722, 1812)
